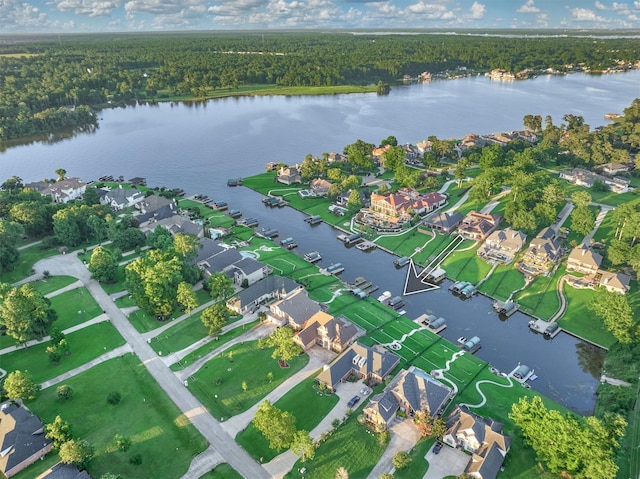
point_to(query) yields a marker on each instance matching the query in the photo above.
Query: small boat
(234, 182)
(461, 340)
(312, 257)
(365, 246)
(290, 246)
(552, 330)
(386, 296)
(401, 262)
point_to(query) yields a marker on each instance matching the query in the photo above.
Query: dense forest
(49, 85)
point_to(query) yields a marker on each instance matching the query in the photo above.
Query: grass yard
(74, 307)
(418, 465)
(212, 345)
(222, 471)
(466, 265)
(145, 415)
(605, 197)
(502, 282)
(86, 344)
(28, 257)
(607, 229)
(307, 406)
(369, 314)
(52, 283)
(405, 244)
(541, 296)
(351, 446)
(178, 337)
(250, 364)
(117, 284)
(579, 320)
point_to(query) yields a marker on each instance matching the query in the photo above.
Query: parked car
(353, 401)
(437, 447)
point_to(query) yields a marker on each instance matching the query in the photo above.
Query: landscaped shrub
(114, 398)
(64, 392)
(123, 443)
(136, 460)
(401, 460)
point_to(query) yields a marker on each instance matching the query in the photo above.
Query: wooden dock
(540, 326)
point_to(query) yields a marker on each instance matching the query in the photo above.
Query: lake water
(198, 146)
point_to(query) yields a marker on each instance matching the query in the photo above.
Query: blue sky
(31, 16)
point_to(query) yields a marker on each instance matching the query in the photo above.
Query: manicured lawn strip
(52, 283)
(466, 265)
(28, 257)
(350, 446)
(178, 337)
(404, 244)
(117, 284)
(369, 312)
(579, 320)
(605, 197)
(520, 463)
(86, 344)
(143, 321)
(433, 249)
(502, 282)
(306, 405)
(540, 298)
(404, 325)
(250, 364)
(74, 307)
(342, 302)
(381, 337)
(212, 345)
(145, 414)
(321, 287)
(607, 229)
(222, 471)
(126, 301)
(413, 344)
(202, 296)
(418, 465)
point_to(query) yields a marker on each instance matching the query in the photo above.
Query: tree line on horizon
(60, 84)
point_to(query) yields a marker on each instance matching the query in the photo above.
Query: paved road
(224, 445)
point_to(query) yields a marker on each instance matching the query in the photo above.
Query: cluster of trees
(582, 217)
(616, 313)
(24, 312)
(279, 428)
(49, 88)
(624, 248)
(569, 445)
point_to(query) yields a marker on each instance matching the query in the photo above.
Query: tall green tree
(354, 203)
(616, 312)
(220, 286)
(282, 340)
(276, 426)
(77, 452)
(103, 264)
(25, 312)
(215, 318)
(303, 445)
(59, 431)
(187, 297)
(10, 233)
(20, 385)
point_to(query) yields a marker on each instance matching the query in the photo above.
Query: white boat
(384, 296)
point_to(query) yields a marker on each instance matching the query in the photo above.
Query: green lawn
(350, 446)
(52, 283)
(250, 364)
(307, 405)
(86, 344)
(540, 298)
(502, 282)
(178, 337)
(579, 320)
(222, 471)
(466, 265)
(28, 257)
(145, 415)
(74, 307)
(604, 197)
(418, 465)
(117, 284)
(212, 345)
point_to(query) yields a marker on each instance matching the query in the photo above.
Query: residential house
(424, 146)
(343, 198)
(121, 198)
(320, 187)
(502, 245)
(289, 175)
(295, 310)
(412, 154)
(397, 207)
(268, 288)
(615, 168)
(334, 334)
(614, 282)
(443, 222)
(477, 226)
(543, 252)
(333, 157)
(410, 391)
(483, 438)
(155, 208)
(584, 260)
(64, 471)
(22, 439)
(371, 363)
(247, 271)
(379, 152)
(61, 191)
(586, 178)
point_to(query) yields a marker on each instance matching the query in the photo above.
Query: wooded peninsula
(57, 82)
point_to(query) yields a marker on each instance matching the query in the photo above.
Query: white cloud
(585, 15)
(160, 7)
(427, 10)
(600, 6)
(21, 16)
(92, 8)
(236, 7)
(528, 7)
(477, 11)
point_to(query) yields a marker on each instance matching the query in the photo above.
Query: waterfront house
(398, 207)
(372, 363)
(176, 224)
(120, 198)
(22, 439)
(584, 260)
(61, 191)
(248, 271)
(271, 287)
(502, 245)
(586, 178)
(443, 222)
(294, 310)
(615, 168)
(322, 329)
(543, 252)
(614, 282)
(289, 175)
(424, 146)
(477, 226)
(333, 157)
(411, 391)
(320, 187)
(483, 438)
(379, 152)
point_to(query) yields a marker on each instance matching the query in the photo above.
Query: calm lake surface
(198, 146)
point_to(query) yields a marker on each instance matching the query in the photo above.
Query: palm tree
(341, 473)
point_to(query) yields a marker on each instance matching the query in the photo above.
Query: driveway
(450, 462)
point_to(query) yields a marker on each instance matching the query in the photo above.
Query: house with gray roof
(584, 260)
(249, 270)
(271, 287)
(121, 198)
(294, 310)
(156, 207)
(543, 252)
(411, 391)
(65, 190)
(482, 437)
(614, 282)
(372, 363)
(502, 245)
(443, 222)
(22, 439)
(477, 226)
(64, 471)
(175, 224)
(328, 332)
